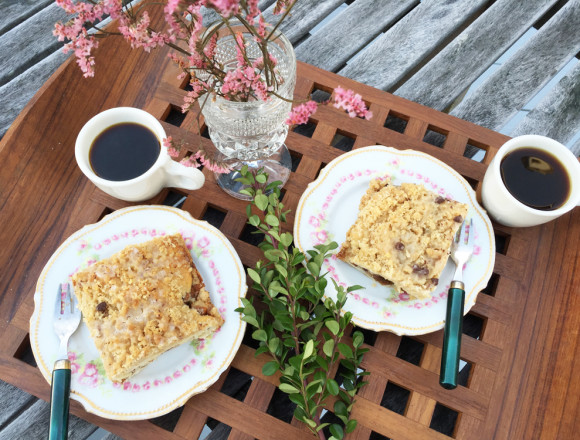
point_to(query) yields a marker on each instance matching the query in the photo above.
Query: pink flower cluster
(347, 99)
(244, 83)
(250, 79)
(351, 102)
(301, 113)
(194, 160)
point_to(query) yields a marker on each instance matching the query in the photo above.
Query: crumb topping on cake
(403, 234)
(143, 301)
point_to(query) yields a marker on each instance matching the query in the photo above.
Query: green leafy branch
(300, 329)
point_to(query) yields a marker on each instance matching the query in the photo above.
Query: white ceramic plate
(169, 381)
(329, 206)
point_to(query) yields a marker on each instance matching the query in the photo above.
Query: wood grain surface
(521, 380)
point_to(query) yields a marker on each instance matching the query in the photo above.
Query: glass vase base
(278, 166)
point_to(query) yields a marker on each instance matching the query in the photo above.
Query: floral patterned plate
(169, 381)
(329, 206)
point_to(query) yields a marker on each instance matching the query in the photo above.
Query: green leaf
(322, 426)
(297, 399)
(260, 350)
(272, 220)
(299, 412)
(313, 268)
(345, 350)
(332, 387)
(357, 339)
(251, 320)
(333, 326)
(261, 201)
(270, 368)
(281, 269)
(328, 347)
(273, 344)
(254, 220)
(261, 178)
(336, 431)
(340, 408)
(309, 349)
(260, 335)
(350, 425)
(322, 363)
(297, 259)
(310, 423)
(273, 254)
(286, 239)
(254, 275)
(288, 389)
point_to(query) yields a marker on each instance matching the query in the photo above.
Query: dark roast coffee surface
(124, 151)
(535, 178)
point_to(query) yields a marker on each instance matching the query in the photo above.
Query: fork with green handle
(67, 317)
(461, 251)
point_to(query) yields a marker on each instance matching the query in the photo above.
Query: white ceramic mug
(505, 208)
(165, 172)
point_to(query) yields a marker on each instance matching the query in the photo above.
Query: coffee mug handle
(181, 176)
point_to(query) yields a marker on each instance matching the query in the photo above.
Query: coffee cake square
(143, 301)
(402, 236)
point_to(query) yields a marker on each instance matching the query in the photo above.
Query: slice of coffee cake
(143, 301)
(402, 236)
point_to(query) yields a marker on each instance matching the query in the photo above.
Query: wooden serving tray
(522, 341)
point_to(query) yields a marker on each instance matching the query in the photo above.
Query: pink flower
(177, 374)
(126, 385)
(253, 11)
(301, 113)
(314, 221)
(282, 6)
(203, 242)
(321, 237)
(240, 49)
(74, 367)
(90, 381)
(225, 7)
(351, 102)
(404, 296)
(91, 370)
(72, 356)
(146, 385)
(136, 388)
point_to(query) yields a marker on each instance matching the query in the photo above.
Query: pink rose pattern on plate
(92, 374)
(320, 234)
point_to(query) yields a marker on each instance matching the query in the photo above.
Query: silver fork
(67, 317)
(461, 251)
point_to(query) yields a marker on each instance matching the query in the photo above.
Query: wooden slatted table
(523, 343)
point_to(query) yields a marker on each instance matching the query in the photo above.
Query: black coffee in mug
(535, 178)
(124, 151)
